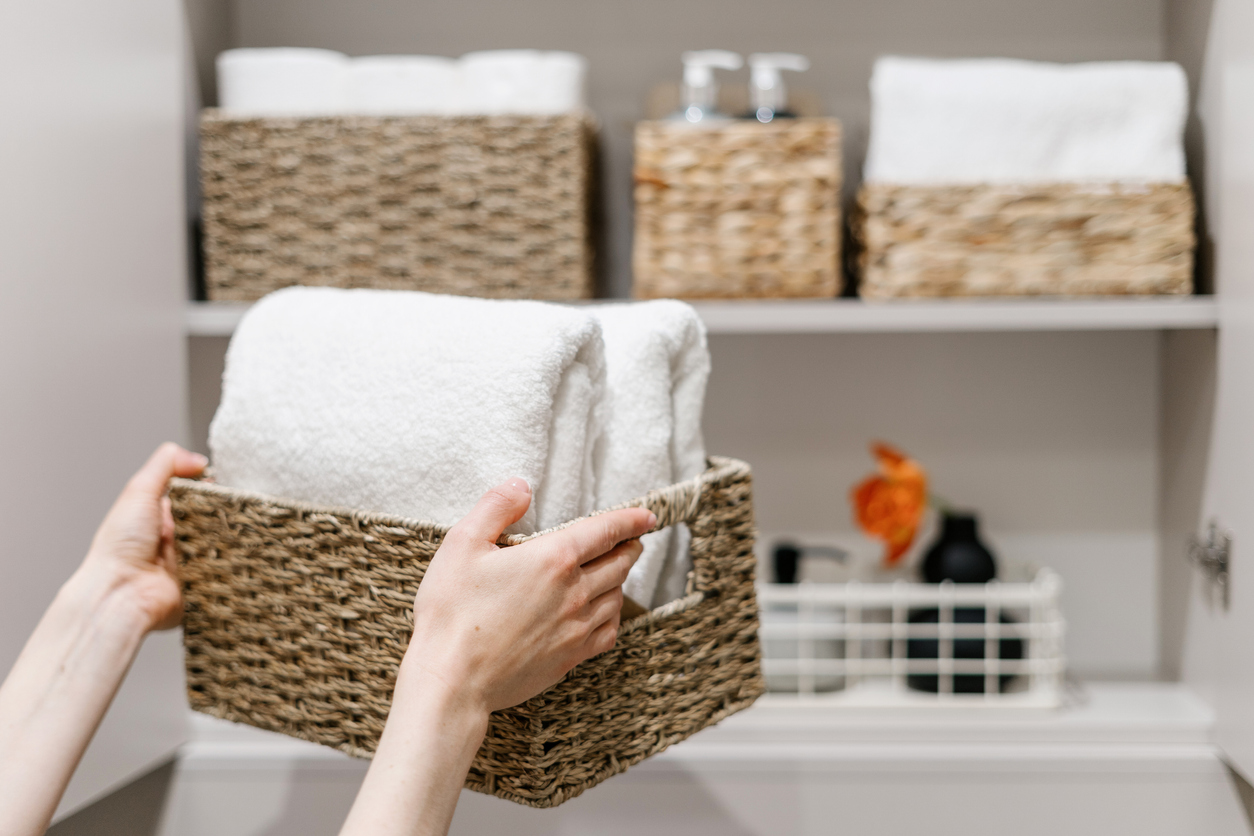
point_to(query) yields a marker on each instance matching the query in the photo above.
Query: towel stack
(1007, 121)
(413, 404)
(311, 82)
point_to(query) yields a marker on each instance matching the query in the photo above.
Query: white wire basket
(912, 644)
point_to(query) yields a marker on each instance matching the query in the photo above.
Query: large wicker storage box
(1030, 240)
(296, 619)
(737, 209)
(477, 205)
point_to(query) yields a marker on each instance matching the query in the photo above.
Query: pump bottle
(768, 98)
(699, 95)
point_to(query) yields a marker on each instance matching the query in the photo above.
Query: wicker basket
(477, 205)
(1005, 240)
(737, 209)
(296, 619)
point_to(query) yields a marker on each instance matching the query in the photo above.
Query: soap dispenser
(768, 98)
(699, 99)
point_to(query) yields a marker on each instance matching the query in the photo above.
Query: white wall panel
(91, 283)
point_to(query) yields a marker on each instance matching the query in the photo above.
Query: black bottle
(958, 555)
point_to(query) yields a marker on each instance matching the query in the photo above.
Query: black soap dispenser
(786, 559)
(958, 555)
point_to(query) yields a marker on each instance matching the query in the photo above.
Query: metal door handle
(1212, 557)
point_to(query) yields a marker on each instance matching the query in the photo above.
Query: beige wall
(635, 45)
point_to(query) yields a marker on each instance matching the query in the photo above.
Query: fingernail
(519, 485)
(201, 460)
(652, 520)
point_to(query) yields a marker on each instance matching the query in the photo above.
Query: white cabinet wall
(92, 354)
(1227, 113)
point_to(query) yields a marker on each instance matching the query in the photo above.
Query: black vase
(958, 555)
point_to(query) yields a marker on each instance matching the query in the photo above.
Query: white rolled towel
(1008, 121)
(657, 365)
(282, 82)
(412, 403)
(524, 81)
(404, 85)
(562, 83)
(500, 80)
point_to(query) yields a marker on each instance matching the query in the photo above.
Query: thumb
(495, 511)
(168, 460)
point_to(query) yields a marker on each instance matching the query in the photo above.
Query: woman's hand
(492, 628)
(501, 625)
(133, 549)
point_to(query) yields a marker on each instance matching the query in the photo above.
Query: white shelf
(213, 319)
(834, 316)
(1119, 715)
(856, 316)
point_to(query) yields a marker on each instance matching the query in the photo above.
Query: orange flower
(890, 505)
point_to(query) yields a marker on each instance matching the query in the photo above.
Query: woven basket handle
(678, 503)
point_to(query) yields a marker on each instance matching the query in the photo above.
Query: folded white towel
(277, 82)
(403, 84)
(657, 365)
(312, 82)
(1006, 121)
(411, 403)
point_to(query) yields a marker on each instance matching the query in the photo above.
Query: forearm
(58, 691)
(430, 740)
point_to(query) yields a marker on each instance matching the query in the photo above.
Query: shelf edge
(851, 316)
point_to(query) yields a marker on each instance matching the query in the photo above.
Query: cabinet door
(91, 348)
(1226, 106)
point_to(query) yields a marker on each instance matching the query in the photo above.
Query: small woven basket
(1008, 240)
(493, 206)
(296, 619)
(737, 209)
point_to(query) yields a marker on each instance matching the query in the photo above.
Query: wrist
(434, 730)
(445, 693)
(102, 593)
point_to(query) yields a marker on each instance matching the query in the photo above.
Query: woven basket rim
(584, 115)
(686, 495)
(1077, 186)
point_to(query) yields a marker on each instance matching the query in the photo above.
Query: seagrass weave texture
(296, 619)
(475, 205)
(1006, 240)
(737, 209)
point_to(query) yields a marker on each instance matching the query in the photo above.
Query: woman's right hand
(497, 626)
(492, 628)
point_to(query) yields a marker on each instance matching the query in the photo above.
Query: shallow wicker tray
(1060, 239)
(296, 619)
(496, 206)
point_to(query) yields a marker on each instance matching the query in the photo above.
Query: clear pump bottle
(768, 97)
(699, 95)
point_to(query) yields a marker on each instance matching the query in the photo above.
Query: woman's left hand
(133, 550)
